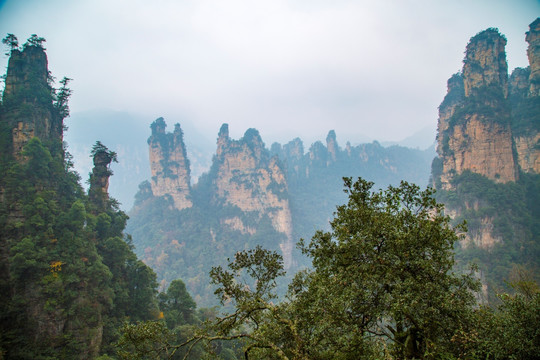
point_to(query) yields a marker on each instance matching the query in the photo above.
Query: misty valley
(239, 250)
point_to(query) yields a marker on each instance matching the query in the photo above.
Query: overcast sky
(375, 69)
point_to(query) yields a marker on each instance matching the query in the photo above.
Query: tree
(12, 42)
(62, 98)
(509, 330)
(35, 40)
(387, 264)
(101, 150)
(99, 177)
(382, 286)
(178, 306)
(249, 284)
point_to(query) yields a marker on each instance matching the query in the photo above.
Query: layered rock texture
(99, 178)
(26, 113)
(474, 118)
(525, 102)
(169, 164)
(67, 278)
(315, 177)
(488, 147)
(251, 196)
(533, 53)
(248, 178)
(488, 124)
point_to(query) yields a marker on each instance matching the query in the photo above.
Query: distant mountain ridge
(423, 139)
(250, 196)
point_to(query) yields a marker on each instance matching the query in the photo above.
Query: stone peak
(488, 34)
(158, 126)
(331, 136)
(252, 136)
(224, 131)
(485, 62)
(27, 68)
(533, 53)
(455, 81)
(534, 27)
(178, 129)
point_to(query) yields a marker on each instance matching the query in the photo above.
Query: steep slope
(315, 177)
(486, 171)
(68, 278)
(29, 108)
(474, 119)
(250, 196)
(525, 99)
(169, 164)
(247, 178)
(183, 231)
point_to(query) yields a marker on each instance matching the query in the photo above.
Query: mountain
(250, 196)
(68, 274)
(182, 231)
(487, 168)
(126, 134)
(315, 176)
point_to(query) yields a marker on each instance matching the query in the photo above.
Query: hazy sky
(289, 68)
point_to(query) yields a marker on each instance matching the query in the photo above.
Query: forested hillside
(69, 277)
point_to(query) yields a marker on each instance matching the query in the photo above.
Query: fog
(367, 69)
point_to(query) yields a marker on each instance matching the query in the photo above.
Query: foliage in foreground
(381, 286)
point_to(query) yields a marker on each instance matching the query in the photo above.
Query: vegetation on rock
(383, 285)
(69, 275)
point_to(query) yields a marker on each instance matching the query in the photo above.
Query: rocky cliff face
(255, 197)
(488, 125)
(528, 152)
(481, 147)
(533, 53)
(25, 113)
(169, 165)
(487, 169)
(53, 302)
(246, 177)
(485, 63)
(474, 118)
(525, 97)
(241, 201)
(332, 146)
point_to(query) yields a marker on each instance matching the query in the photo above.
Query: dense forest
(383, 281)
(69, 275)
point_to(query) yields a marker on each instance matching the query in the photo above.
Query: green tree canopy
(35, 40)
(382, 285)
(387, 264)
(12, 42)
(178, 306)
